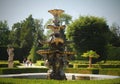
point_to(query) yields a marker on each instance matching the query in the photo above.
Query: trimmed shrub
(16, 63)
(82, 71)
(22, 70)
(3, 65)
(70, 65)
(110, 66)
(111, 71)
(40, 63)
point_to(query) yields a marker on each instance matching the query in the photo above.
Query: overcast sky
(17, 10)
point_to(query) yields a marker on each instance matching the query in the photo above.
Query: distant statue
(10, 51)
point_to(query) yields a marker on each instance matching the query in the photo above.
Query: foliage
(91, 54)
(89, 33)
(38, 35)
(94, 65)
(33, 55)
(26, 33)
(22, 70)
(115, 30)
(82, 70)
(40, 63)
(5, 63)
(113, 53)
(4, 34)
(15, 35)
(101, 62)
(110, 71)
(65, 19)
(105, 71)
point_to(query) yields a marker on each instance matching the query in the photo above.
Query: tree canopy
(89, 33)
(25, 34)
(115, 30)
(4, 33)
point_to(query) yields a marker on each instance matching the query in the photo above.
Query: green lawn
(41, 81)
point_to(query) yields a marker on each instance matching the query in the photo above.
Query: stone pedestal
(10, 64)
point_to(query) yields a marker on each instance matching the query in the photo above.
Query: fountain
(56, 57)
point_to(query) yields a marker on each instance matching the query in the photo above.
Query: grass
(43, 81)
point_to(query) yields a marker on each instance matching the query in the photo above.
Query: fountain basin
(69, 76)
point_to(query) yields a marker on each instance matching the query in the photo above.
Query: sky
(17, 10)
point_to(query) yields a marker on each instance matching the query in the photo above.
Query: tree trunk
(90, 62)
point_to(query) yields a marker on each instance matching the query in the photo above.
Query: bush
(16, 63)
(40, 63)
(22, 70)
(113, 53)
(110, 66)
(84, 64)
(111, 71)
(79, 62)
(82, 71)
(112, 62)
(5, 63)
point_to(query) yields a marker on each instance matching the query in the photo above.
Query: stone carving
(56, 56)
(10, 51)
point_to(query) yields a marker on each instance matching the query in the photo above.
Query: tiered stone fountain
(56, 57)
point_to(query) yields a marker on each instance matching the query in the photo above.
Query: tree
(4, 33)
(115, 31)
(91, 54)
(38, 35)
(15, 34)
(64, 19)
(27, 33)
(89, 33)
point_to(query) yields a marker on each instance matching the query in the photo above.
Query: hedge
(5, 63)
(19, 53)
(22, 70)
(40, 63)
(94, 65)
(111, 71)
(82, 70)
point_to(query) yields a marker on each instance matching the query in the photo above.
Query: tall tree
(37, 36)
(115, 30)
(4, 33)
(65, 19)
(89, 33)
(27, 33)
(15, 34)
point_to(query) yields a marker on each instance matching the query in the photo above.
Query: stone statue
(10, 51)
